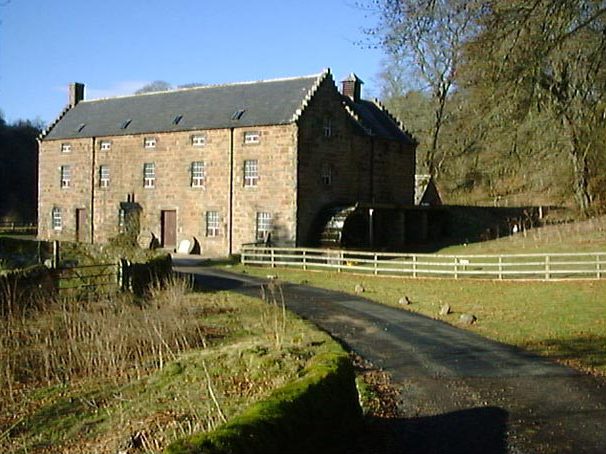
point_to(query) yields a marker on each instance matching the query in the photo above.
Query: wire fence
(501, 266)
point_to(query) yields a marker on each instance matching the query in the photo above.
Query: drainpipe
(92, 192)
(230, 202)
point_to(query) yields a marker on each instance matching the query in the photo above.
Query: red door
(169, 228)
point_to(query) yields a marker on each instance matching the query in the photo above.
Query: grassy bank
(97, 377)
(581, 236)
(565, 321)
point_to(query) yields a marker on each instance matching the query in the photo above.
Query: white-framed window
(105, 145)
(149, 142)
(149, 175)
(251, 172)
(198, 140)
(66, 147)
(197, 174)
(263, 226)
(104, 176)
(56, 218)
(326, 174)
(66, 176)
(212, 223)
(251, 137)
(327, 127)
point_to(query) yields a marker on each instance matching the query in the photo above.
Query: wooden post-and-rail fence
(590, 265)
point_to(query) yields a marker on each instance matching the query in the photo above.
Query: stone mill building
(224, 165)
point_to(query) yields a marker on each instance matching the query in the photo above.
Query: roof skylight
(238, 114)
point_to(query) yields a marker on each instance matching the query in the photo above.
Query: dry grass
(111, 339)
(97, 376)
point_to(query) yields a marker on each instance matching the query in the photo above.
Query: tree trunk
(580, 168)
(430, 159)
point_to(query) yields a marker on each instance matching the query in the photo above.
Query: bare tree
(156, 85)
(427, 37)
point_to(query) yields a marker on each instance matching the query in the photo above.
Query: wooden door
(80, 224)
(169, 228)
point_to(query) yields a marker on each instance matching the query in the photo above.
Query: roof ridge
(202, 87)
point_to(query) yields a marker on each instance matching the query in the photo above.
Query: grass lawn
(563, 320)
(582, 236)
(245, 348)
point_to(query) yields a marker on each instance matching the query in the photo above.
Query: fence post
(376, 264)
(124, 275)
(598, 267)
(547, 268)
(304, 260)
(456, 268)
(414, 266)
(339, 261)
(56, 254)
(500, 267)
(273, 264)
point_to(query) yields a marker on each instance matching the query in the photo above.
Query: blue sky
(116, 46)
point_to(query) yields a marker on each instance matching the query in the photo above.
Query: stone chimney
(76, 93)
(352, 87)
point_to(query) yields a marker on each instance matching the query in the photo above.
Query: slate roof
(270, 102)
(263, 103)
(376, 120)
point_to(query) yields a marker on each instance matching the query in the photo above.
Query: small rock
(445, 309)
(467, 319)
(404, 301)
(359, 288)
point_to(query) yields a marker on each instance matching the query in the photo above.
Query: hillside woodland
(18, 171)
(506, 98)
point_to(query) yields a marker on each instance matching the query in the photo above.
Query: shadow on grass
(586, 352)
(476, 430)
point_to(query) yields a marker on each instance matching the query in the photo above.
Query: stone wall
(324, 159)
(69, 199)
(173, 156)
(363, 168)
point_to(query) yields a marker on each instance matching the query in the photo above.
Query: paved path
(461, 393)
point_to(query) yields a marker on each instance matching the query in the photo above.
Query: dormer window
(105, 145)
(149, 142)
(198, 140)
(252, 137)
(66, 148)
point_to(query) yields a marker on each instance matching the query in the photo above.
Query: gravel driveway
(460, 393)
